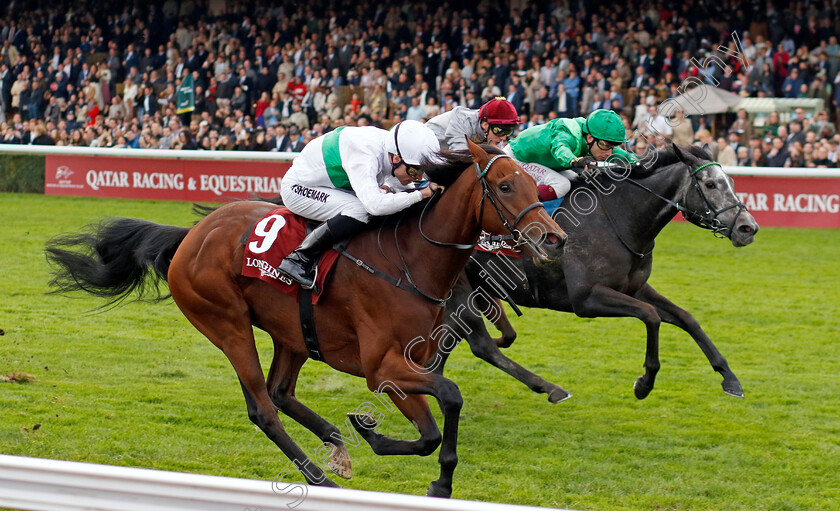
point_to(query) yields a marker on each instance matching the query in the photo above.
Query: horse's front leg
(405, 385)
(461, 318)
(416, 409)
(502, 324)
(673, 314)
(602, 301)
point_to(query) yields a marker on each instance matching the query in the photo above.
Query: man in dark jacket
(296, 142)
(6, 81)
(544, 103)
(36, 100)
(147, 103)
(25, 97)
(778, 155)
(279, 142)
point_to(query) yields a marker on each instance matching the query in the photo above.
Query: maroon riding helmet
(499, 111)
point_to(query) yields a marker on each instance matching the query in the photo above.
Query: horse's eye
(505, 188)
(711, 185)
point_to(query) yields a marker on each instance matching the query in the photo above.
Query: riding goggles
(413, 173)
(605, 145)
(502, 130)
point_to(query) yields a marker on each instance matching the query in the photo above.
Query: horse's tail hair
(115, 259)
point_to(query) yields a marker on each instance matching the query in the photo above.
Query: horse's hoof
(641, 389)
(733, 388)
(363, 421)
(558, 394)
(437, 490)
(340, 461)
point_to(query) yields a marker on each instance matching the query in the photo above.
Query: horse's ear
(477, 152)
(687, 158)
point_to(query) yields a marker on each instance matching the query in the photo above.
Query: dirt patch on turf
(18, 377)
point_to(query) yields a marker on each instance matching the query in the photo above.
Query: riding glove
(582, 162)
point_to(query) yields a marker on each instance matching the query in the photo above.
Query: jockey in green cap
(574, 144)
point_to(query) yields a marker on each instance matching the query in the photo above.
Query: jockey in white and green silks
(348, 175)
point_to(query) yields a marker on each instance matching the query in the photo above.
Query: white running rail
(52, 485)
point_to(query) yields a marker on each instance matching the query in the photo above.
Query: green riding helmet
(605, 125)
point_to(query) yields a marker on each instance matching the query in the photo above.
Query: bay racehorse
(364, 322)
(606, 263)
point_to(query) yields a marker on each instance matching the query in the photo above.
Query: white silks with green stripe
(343, 172)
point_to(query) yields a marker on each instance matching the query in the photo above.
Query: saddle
(274, 237)
(271, 239)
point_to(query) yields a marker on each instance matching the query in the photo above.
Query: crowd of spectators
(272, 76)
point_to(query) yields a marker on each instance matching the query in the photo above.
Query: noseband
(488, 193)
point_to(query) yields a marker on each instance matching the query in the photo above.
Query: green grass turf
(139, 386)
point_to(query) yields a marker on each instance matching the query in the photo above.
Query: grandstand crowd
(271, 76)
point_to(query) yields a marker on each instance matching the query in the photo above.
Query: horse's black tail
(116, 258)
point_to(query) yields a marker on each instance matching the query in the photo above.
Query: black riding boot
(298, 265)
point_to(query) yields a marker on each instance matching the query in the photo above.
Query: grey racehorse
(611, 222)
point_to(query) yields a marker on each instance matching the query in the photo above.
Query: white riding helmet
(412, 141)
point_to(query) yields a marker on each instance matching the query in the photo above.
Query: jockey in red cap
(493, 123)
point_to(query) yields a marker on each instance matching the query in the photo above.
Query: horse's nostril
(554, 240)
(746, 229)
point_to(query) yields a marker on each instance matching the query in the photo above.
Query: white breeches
(320, 203)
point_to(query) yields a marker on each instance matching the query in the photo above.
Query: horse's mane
(446, 166)
(665, 156)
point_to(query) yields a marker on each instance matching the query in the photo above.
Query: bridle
(709, 218)
(490, 194)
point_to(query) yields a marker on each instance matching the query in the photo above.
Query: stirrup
(292, 275)
(314, 278)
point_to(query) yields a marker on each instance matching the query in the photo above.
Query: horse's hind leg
(223, 318)
(243, 356)
(483, 347)
(282, 377)
(673, 314)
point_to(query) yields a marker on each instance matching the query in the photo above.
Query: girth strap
(307, 323)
